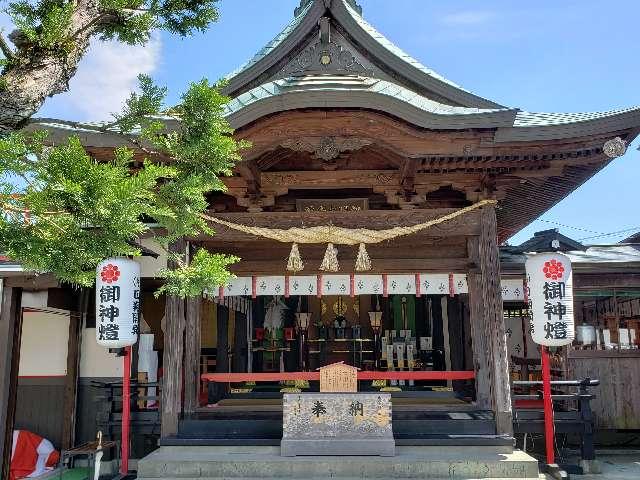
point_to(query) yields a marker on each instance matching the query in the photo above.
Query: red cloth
(31, 455)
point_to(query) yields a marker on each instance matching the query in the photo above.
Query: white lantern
(117, 302)
(550, 284)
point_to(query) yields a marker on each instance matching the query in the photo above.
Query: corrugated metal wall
(39, 407)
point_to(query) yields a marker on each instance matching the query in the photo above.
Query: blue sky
(562, 56)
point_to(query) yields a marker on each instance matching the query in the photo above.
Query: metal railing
(574, 416)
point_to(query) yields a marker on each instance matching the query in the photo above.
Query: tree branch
(96, 21)
(7, 51)
(10, 208)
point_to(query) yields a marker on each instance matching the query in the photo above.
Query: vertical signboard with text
(117, 302)
(550, 283)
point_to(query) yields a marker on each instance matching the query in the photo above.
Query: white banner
(434, 284)
(550, 283)
(366, 284)
(117, 302)
(237, 287)
(401, 284)
(512, 289)
(303, 285)
(336, 285)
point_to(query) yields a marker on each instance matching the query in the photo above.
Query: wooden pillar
(10, 330)
(192, 340)
(240, 344)
(172, 356)
(456, 338)
(217, 391)
(73, 368)
(71, 382)
(487, 324)
(480, 342)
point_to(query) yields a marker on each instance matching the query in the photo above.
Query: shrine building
(402, 185)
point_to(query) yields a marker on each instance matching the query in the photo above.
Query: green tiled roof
(397, 51)
(275, 42)
(532, 119)
(353, 11)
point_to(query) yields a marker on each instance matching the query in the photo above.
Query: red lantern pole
(126, 410)
(549, 431)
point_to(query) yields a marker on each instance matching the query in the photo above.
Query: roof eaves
(360, 92)
(551, 126)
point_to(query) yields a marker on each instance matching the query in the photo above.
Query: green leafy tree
(73, 211)
(53, 35)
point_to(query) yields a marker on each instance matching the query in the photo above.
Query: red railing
(363, 375)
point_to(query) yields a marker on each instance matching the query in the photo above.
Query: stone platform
(251, 462)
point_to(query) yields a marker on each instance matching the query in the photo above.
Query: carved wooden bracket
(326, 148)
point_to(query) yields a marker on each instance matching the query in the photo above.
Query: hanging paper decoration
(333, 234)
(117, 302)
(363, 261)
(342, 235)
(330, 260)
(550, 283)
(295, 263)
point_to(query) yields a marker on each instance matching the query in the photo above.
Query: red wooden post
(549, 431)
(126, 410)
(452, 289)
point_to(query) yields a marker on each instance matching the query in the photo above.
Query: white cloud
(466, 18)
(105, 78)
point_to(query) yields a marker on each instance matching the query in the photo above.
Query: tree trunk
(192, 356)
(37, 73)
(172, 356)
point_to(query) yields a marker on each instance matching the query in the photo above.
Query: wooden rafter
(251, 173)
(408, 175)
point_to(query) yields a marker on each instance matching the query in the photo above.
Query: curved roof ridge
(397, 52)
(344, 12)
(393, 48)
(301, 12)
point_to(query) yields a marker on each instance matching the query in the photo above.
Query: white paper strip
(430, 284)
(434, 284)
(240, 286)
(368, 284)
(460, 283)
(303, 285)
(270, 285)
(335, 285)
(512, 289)
(401, 284)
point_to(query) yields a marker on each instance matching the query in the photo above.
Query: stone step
(539, 477)
(439, 440)
(410, 425)
(249, 462)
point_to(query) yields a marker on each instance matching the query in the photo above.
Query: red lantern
(259, 333)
